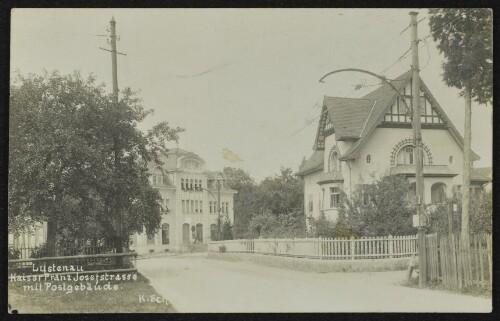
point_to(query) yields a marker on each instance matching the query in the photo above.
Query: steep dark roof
(348, 115)
(383, 98)
(315, 162)
(354, 112)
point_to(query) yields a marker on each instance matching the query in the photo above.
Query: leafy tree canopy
(75, 157)
(465, 37)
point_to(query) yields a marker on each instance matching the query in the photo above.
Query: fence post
(352, 247)
(391, 249)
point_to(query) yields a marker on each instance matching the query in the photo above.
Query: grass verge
(130, 297)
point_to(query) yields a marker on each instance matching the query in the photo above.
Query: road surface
(195, 283)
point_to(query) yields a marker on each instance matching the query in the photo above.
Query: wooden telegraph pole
(419, 160)
(218, 210)
(114, 71)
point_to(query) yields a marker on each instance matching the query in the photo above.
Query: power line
(428, 56)
(395, 62)
(447, 25)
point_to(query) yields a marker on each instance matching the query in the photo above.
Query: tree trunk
(467, 162)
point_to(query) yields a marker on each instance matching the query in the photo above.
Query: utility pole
(114, 59)
(114, 70)
(218, 209)
(419, 160)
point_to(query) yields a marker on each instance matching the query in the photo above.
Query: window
(334, 197)
(227, 207)
(166, 206)
(405, 156)
(192, 207)
(183, 206)
(368, 158)
(199, 232)
(475, 191)
(213, 229)
(450, 159)
(408, 155)
(334, 162)
(201, 206)
(182, 184)
(428, 114)
(191, 184)
(310, 203)
(210, 207)
(151, 239)
(165, 234)
(438, 193)
(196, 206)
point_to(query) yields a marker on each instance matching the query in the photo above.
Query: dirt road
(195, 283)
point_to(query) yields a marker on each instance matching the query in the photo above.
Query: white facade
(189, 194)
(360, 142)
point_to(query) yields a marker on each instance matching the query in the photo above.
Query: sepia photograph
(255, 160)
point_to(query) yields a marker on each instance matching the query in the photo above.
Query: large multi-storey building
(189, 199)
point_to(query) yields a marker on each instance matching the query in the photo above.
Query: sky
(242, 82)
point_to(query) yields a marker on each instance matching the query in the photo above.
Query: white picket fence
(324, 248)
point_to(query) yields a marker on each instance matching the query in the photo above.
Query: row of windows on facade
(191, 184)
(224, 207)
(405, 156)
(165, 233)
(195, 206)
(186, 184)
(438, 195)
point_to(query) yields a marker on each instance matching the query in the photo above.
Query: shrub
(13, 254)
(380, 208)
(222, 248)
(39, 251)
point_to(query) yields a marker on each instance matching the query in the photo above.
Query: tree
(244, 200)
(281, 194)
(481, 214)
(465, 37)
(380, 208)
(78, 160)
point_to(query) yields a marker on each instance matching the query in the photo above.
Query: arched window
(438, 193)
(406, 156)
(213, 229)
(165, 234)
(368, 158)
(185, 233)
(199, 232)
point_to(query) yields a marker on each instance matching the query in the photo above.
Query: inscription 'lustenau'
(57, 268)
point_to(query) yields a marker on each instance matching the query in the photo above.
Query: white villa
(360, 140)
(189, 194)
